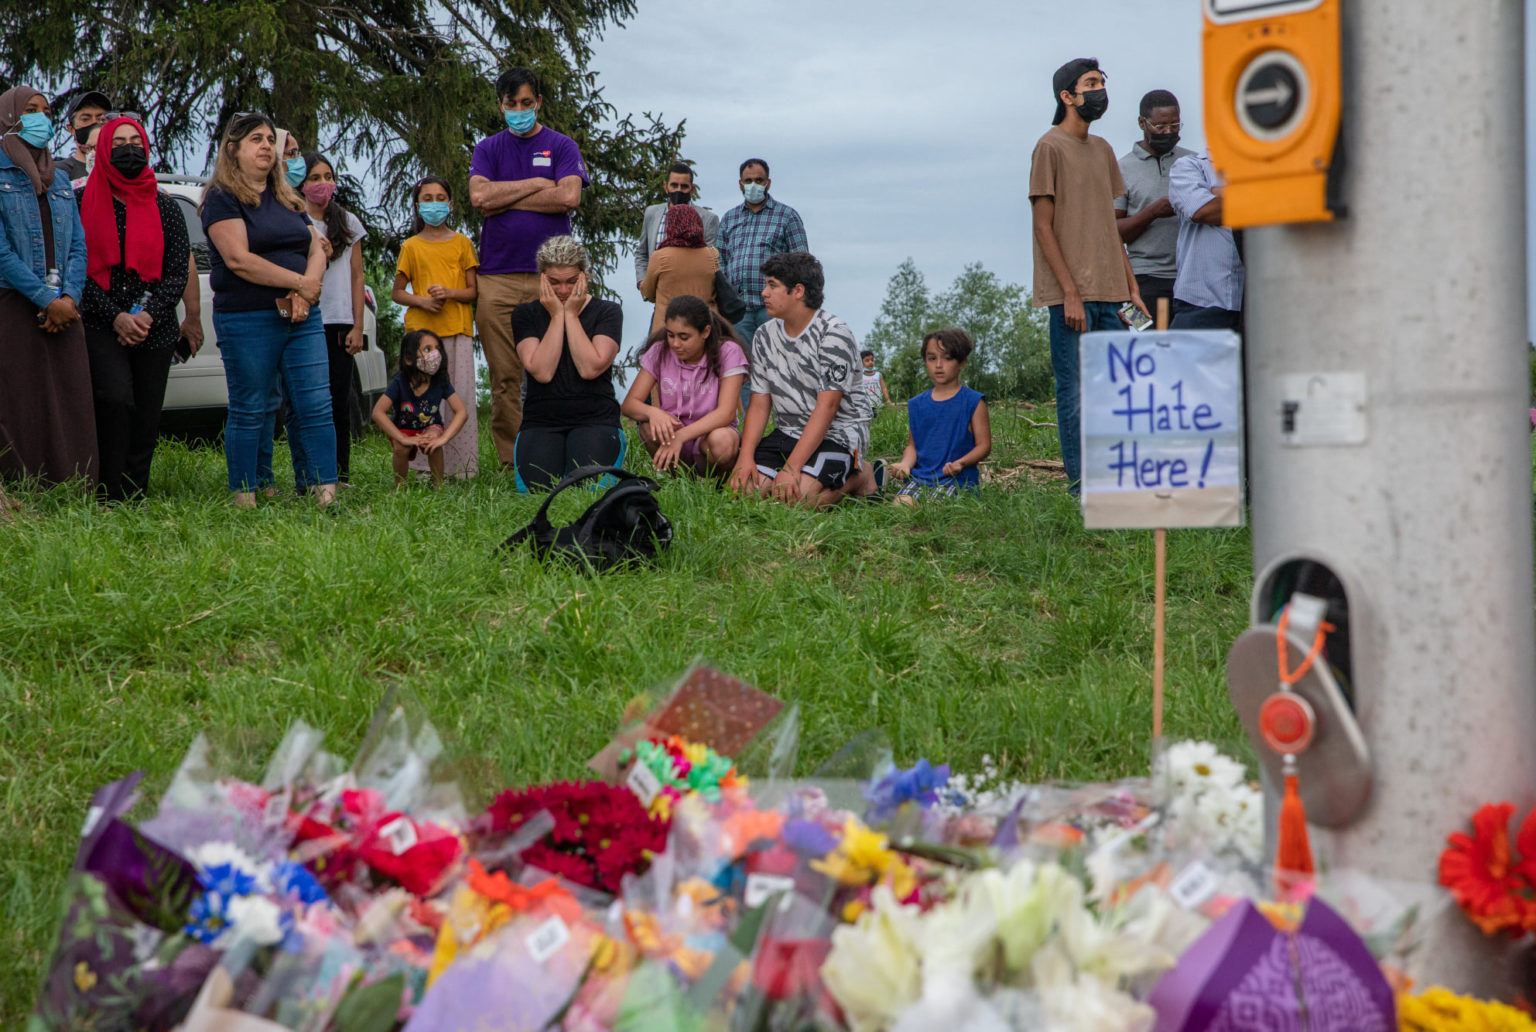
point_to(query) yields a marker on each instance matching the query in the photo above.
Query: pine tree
(401, 87)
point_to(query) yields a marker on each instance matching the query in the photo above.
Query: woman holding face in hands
(567, 341)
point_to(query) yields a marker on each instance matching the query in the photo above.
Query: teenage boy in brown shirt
(1082, 273)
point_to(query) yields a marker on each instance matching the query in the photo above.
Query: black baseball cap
(1066, 78)
(90, 98)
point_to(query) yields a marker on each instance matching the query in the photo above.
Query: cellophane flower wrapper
(703, 706)
(122, 959)
(525, 973)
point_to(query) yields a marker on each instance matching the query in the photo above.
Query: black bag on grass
(625, 525)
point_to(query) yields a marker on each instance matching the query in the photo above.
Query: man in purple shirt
(526, 182)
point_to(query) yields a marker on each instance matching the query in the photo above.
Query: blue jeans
(755, 317)
(257, 346)
(1101, 315)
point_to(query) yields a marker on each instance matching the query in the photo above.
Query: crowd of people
(94, 260)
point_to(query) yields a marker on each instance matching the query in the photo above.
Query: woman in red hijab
(136, 269)
(681, 264)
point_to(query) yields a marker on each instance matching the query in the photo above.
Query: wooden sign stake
(1160, 592)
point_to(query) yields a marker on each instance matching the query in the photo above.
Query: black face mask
(680, 197)
(82, 136)
(1095, 103)
(1162, 143)
(131, 161)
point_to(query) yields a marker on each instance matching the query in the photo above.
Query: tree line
(1012, 356)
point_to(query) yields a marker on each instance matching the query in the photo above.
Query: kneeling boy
(805, 370)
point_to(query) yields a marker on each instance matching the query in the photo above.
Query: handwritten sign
(1162, 429)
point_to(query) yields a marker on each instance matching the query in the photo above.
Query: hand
(300, 308)
(953, 469)
(438, 290)
(1162, 208)
(192, 329)
(354, 340)
(786, 486)
(667, 456)
(900, 471)
(743, 476)
(325, 245)
(664, 426)
(579, 297)
(129, 332)
(1141, 305)
(428, 304)
(548, 299)
(61, 311)
(145, 321)
(1073, 312)
(309, 290)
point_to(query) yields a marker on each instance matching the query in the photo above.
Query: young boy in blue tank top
(949, 432)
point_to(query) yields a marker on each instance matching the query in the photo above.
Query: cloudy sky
(895, 128)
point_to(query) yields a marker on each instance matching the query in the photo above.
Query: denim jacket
(21, 236)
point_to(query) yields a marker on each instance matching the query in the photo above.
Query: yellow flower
(864, 857)
(85, 978)
(1440, 1010)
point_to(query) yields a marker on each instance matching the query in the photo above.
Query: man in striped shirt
(751, 233)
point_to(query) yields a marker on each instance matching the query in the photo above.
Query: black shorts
(829, 463)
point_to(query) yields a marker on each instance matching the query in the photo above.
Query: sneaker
(878, 467)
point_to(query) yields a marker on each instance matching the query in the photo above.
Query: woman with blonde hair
(567, 341)
(268, 266)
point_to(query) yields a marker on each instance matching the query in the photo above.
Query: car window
(195, 234)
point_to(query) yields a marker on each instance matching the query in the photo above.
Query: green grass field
(993, 625)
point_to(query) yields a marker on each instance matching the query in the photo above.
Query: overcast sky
(896, 128)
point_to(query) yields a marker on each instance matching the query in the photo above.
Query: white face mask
(429, 361)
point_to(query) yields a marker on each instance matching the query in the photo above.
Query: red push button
(1287, 722)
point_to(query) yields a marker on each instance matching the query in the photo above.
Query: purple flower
(294, 881)
(918, 785)
(227, 880)
(808, 838)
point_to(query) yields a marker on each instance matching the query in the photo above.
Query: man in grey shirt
(1148, 227)
(680, 190)
(1209, 291)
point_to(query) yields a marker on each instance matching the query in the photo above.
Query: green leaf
(370, 1008)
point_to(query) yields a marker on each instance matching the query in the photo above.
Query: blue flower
(208, 917)
(227, 880)
(920, 785)
(294, 880)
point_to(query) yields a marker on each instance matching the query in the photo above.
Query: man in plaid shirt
(750, 234)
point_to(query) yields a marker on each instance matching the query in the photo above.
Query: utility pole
(1409, 317)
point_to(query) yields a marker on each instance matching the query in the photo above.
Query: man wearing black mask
(1148, 224)
(87, 111)
(680, 190)
(1081, 272)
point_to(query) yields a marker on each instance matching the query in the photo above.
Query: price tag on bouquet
(761, 887)
(399, 835)
(1194, 885)
(644, 783)
(545, 940)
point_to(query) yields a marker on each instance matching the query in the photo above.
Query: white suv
(196, 393)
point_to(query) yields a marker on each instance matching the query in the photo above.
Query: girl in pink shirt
(695, 366)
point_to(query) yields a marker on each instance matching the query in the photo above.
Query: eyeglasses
(244, 121)
(125, 114)
(1165, 127)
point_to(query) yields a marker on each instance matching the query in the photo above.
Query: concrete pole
(1421, 289)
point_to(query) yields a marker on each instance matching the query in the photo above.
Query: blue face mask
(755, 193)
(36, 129)
(521, 121)
(297, 170)
(433, 213)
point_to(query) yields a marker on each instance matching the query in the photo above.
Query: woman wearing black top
(567, 341)
(136, 270)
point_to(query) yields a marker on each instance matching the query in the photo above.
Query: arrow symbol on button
(1279, 94)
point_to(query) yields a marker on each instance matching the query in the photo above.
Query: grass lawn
(993, 625)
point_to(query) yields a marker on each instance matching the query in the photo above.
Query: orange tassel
(1294, 854)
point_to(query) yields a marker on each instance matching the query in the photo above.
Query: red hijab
(144, 238)
(684, 227)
